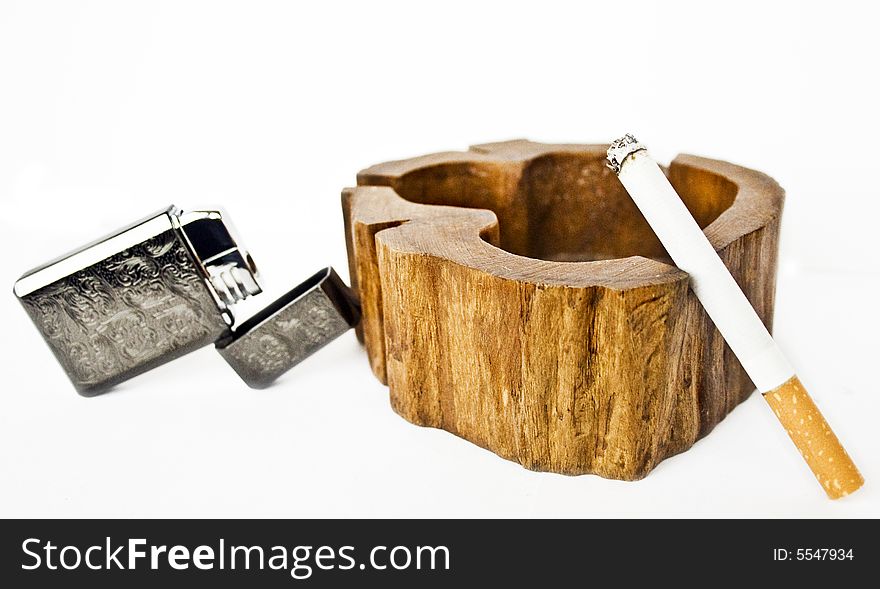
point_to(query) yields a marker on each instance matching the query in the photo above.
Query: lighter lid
(290, 329)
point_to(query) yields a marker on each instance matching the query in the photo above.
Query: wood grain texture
(514, 296)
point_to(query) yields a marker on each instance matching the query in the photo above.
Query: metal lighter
(165, 286)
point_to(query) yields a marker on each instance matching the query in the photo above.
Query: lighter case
(165, 286)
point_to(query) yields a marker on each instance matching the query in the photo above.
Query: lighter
(165, 286)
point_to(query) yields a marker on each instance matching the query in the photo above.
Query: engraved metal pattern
(317, 312)
(126, 314)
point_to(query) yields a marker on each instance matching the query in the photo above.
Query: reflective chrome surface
(291, 329)
(164, 286)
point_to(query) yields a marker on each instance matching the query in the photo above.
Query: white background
(111, 110)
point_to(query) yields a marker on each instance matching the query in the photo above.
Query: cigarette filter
(734, 316)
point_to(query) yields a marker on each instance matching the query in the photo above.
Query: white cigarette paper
(711, 281)
(733, 315)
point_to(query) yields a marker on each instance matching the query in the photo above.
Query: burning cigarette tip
(620, 149)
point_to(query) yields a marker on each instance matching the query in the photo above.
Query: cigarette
(734, 316)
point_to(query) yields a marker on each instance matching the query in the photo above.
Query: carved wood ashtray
(515, 296)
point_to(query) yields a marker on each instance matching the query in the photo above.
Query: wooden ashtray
(515, 296)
